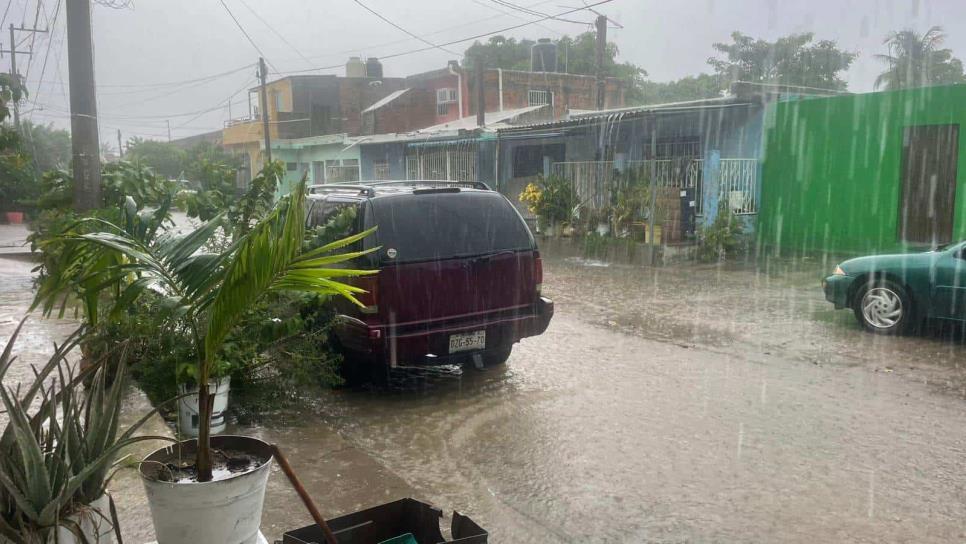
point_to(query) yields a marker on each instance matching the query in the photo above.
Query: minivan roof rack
(341, 187)
(430, 182)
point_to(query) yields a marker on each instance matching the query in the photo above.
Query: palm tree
(209, 292)
(918, 61)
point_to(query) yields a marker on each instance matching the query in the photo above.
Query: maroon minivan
(459, 273)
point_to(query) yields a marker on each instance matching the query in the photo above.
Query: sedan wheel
(883, 307)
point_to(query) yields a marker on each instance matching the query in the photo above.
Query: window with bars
(442, 109)
(539, 98)
(445, 96)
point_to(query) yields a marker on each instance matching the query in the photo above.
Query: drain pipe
(499, 74)
(459, 87)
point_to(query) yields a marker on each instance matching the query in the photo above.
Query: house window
(445, 96)
(279, 103)
(291, 166)
(442, 109)
(539, 98)
(380, 170)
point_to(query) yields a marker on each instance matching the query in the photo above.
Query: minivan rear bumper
(428, 342)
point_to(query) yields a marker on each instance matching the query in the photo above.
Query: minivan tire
(497, 356)
(883, 307)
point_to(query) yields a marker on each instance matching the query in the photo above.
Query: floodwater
(688, 403)
(677, 404)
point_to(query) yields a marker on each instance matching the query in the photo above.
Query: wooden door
(929, 160)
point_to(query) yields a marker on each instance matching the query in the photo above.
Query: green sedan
(891, 294)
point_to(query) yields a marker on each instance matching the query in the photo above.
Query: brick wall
(413, 110)
(570, 91)
(357, 94)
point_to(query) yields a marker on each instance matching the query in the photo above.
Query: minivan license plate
(467, 342)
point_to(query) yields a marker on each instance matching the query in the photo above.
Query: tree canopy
(790, 60)
(575, 55)
(916, 60)
(687, 88)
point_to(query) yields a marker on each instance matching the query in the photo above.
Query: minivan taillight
(538, 271)
(370, 298)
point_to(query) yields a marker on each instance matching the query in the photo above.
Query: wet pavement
(677, 404)
(687, 403)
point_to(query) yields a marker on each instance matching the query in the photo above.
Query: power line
(461, 40)
(5, 11)
(508, 14)
(394, 25)
(52, 24)
(529, 11)
(277, 33)
(433, 33)
(250, 40)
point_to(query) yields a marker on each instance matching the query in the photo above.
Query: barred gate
(594, 180)
(738, 185)
(441, 164)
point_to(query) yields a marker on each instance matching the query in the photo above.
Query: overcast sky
(141, 50)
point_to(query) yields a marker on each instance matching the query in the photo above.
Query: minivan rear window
(422, 227)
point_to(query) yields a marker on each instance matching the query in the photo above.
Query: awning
(444, 143)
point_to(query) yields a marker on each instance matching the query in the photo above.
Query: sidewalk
(13, 240)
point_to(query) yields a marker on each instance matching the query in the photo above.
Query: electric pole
(13, 65)
(120, 148)
(168, 122)
(601, 24)
(480, 93)
(262, 74)
(83, 106)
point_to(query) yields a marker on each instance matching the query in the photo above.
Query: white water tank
(355, 67)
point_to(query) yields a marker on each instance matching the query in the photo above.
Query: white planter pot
(227, 510)
(188, 415)
(603, 229)
(94, 521)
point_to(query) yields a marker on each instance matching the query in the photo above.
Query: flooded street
(662, 405)
(677, 404)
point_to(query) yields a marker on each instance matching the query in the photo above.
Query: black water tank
(373, 68)
(543, 56)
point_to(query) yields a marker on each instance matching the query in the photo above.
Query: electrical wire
(250, 40)
(52, 29)
(529, 11)
(461, 40)
(515, 16)
(277, 33)
(397, 27)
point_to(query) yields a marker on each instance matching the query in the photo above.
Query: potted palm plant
(211, 489)
(57, 451)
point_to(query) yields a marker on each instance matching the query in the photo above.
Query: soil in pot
(181, 469)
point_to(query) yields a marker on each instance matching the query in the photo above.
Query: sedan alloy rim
(881, 307)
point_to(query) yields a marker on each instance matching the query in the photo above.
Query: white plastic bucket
(188, 415)
(223, 511)
(93, 520)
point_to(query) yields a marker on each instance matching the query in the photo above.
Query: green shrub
(723, 239)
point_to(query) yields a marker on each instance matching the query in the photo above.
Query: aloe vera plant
(209, 292)
(59, 444)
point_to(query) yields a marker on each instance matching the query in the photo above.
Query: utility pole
(480, 93)
(168, 122)
(83, 106)
(262, 74)
(13, 65)
(120, 148)
(601, 24)
(16, 77)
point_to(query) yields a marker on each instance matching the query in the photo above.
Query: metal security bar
(594, 180)
(739, 185)
(441, 164)
(380, 170)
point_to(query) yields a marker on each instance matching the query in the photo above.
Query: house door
(929, 162)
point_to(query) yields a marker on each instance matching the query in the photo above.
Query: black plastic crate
(391, 520)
